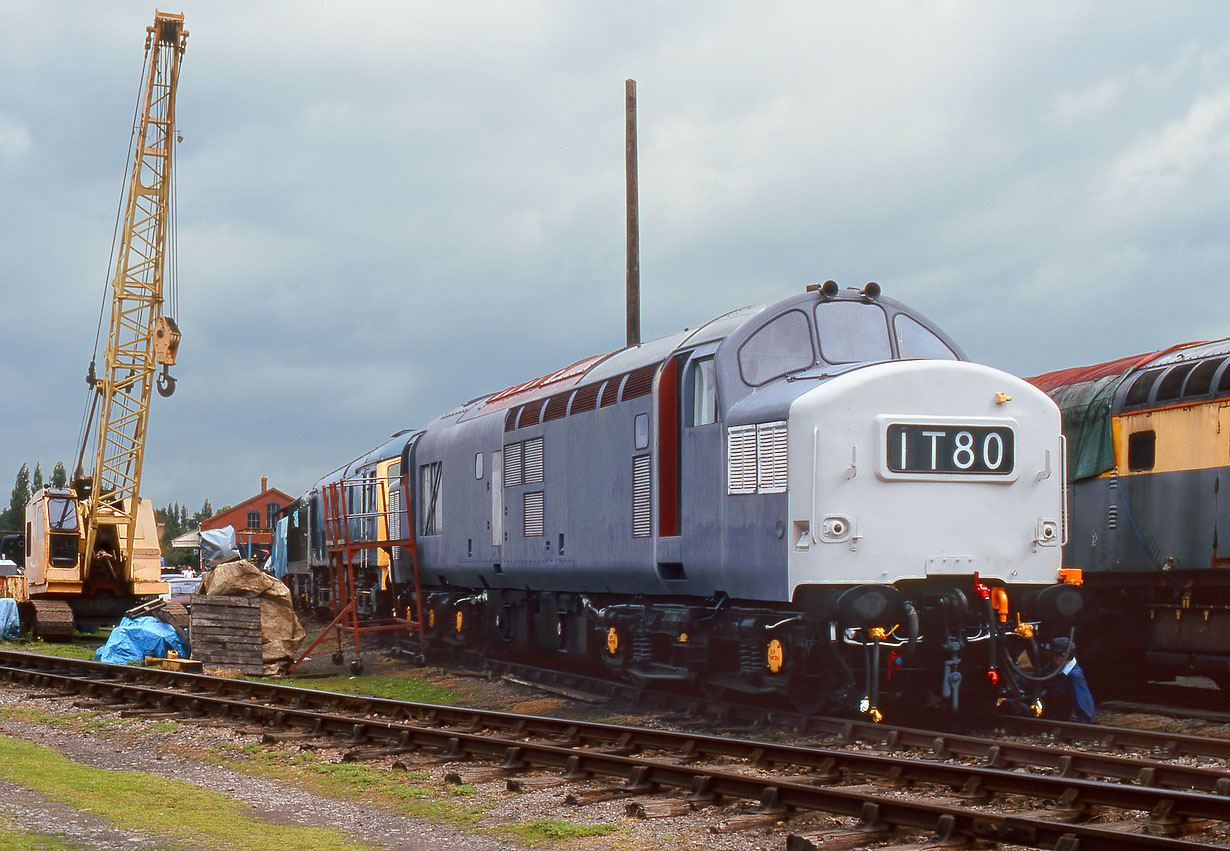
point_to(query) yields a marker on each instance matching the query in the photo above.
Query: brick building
(253, 519)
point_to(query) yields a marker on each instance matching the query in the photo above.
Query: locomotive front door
(700, 466)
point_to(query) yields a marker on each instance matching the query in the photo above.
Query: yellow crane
(92, 549)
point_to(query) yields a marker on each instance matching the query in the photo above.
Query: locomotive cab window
(1138, 393)
(781, 346)
(916, 341)
(1142, 450)
(702, 396)
(1172, 384)
(1201, 379)
(852, 332)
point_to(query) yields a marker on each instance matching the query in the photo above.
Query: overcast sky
(386, 208)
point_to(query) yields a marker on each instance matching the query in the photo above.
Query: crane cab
(55, 536)
(53, 541)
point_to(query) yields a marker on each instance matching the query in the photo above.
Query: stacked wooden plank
(226, 631)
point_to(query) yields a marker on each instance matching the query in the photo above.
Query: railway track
(731, 712)
(1125, 790)
(1180, 701)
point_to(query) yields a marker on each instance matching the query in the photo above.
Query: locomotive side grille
(394, 521)
(512, 464)
(510, 419)
(586, 399)
(771, 458)
(530, 413)
(557, 407)
(756, 458)
(535, 521)
(741, 459)
(640, 497)
(610, 391)
(640, 381)
(533, 461)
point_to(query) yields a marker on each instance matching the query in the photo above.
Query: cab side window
(1142, 450)
(702, 401)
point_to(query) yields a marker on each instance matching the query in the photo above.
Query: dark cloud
(387, 208)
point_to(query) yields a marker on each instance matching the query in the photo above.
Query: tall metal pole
(634, 224)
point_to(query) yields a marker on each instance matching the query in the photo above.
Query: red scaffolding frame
(349, 534)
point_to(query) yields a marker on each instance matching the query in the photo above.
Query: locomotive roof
(1049, 381)
(737, 323)
(1088, 396)
(602, 366)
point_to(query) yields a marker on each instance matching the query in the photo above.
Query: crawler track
(956, 787)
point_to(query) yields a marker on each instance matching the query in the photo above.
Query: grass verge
(47, 648)
(393, 688)
(550, 830)
(169, 808)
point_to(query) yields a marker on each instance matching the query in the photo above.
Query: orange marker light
(1071, 576)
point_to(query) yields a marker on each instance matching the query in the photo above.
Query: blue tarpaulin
(10, 625)
(136, 638)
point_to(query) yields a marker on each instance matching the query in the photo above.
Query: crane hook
(166, 382)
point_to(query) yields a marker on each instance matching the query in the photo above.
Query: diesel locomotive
(820, 501)
(1148, 453)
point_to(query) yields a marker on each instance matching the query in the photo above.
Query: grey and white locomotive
(819, 499)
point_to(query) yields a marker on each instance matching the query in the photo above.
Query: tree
(205, 513)
(37, 485)
(59, 476)
(171, 519)
(14, 519)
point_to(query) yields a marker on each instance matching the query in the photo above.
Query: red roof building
(253, 519)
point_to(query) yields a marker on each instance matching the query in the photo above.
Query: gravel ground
(271, 800)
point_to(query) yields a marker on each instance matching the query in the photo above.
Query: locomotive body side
(731, 507)
(1150, 517)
